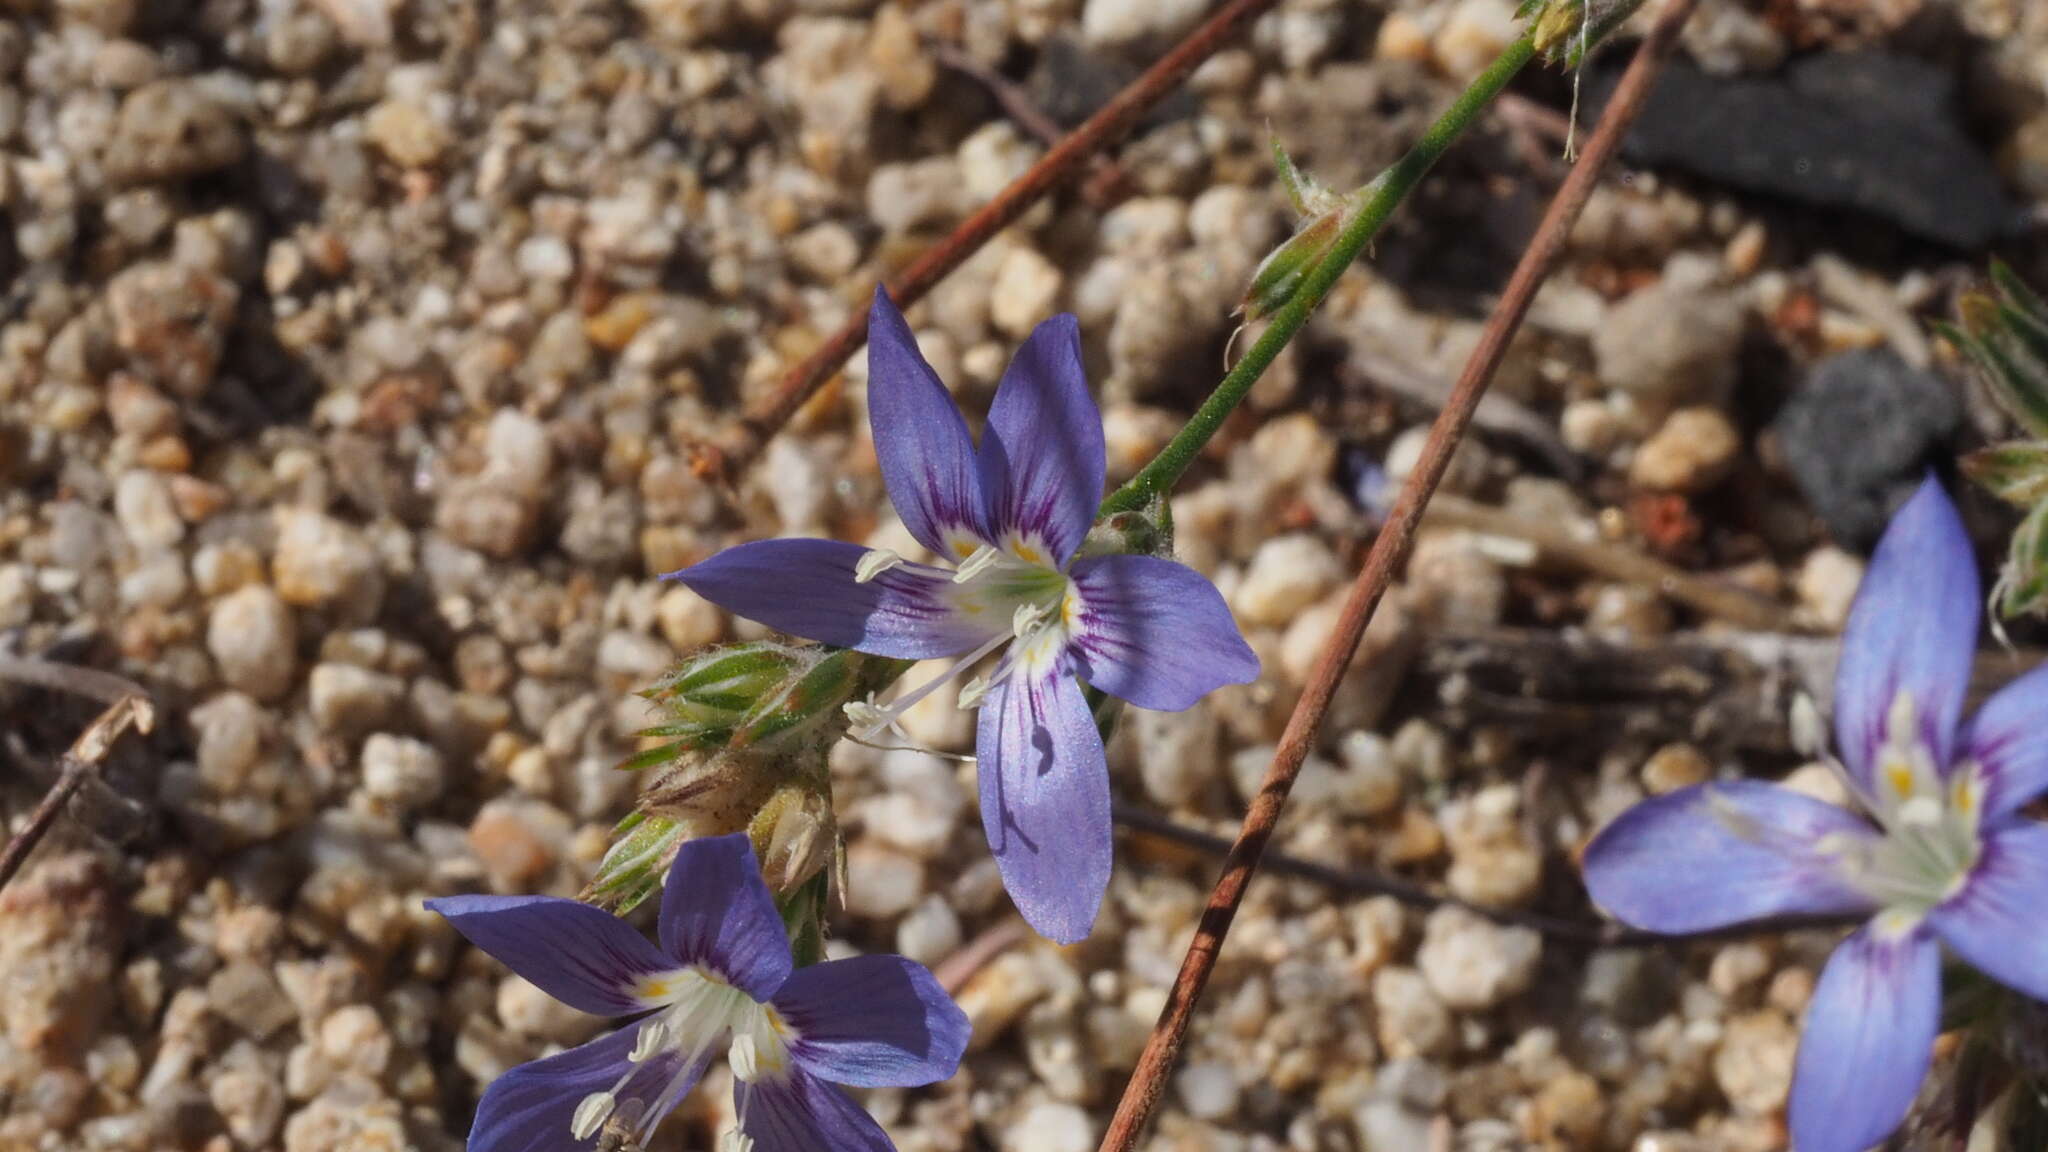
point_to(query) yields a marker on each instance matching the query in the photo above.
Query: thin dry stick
(954, 971)
(90, 683)
(1717, 598)
(724, 460)
(1389, 550)
(83, 759)
(1356, 882)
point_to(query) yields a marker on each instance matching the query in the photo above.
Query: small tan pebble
(1753, 1065)
(1473, 34)
(1474, 963)
(1412, 1019)
(1402, 37)
(253, 639)
(1027, 289)
(355, 1037)
(1827, 583)
(1287, 574)
(1589, 427)
(1415, 839)
(882, 882)
(1737, 968)
(1818, 781)
(1371, 781)
(406, 133)
(998, 996)
(1567, 1112)
(1745, 250)
(1493, 860)
(1454, 584)
(1691, 452)
(1790, 990)
(518, 841)
(1675, 766)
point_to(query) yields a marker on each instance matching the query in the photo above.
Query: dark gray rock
(1868, 131)
(1859, 435)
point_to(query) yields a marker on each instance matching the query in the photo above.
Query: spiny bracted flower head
(1006, 521)
(1941, 854)
(2005, 334)
(721, 980)
(742, 748)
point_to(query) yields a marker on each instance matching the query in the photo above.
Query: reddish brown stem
(1389, 551)
(725, 459)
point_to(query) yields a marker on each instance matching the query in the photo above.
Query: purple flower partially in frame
(1944, 857)
(1007, 520)
(722, 978)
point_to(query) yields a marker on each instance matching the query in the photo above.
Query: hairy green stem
(1381, 197)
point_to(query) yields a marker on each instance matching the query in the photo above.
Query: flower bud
(1142, 532)
(2022, 586)
(2015, 472)
(1321, 214)
(1281, 273)
(1564, 31)
(2005, 334)
(795, 834)
(642, 849)
(744, 748)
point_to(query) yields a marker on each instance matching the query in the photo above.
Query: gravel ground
(347, 367)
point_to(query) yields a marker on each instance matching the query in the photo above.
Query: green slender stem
(1383, 195)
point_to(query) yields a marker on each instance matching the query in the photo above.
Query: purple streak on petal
(1679, 863)
(529, 1109)
(873, 1022)
(2008, 740)
(716, 911)
(586, 958)
(1042, 457)
(921, 441)
(806, 588)
(1045, 800)
(804, 1114)
(1155, 633)
(1868, 1040)
(1913, 628)
(1995, 922)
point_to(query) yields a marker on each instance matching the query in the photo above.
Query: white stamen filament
(871, 720)
(873, 563)
(981, 560)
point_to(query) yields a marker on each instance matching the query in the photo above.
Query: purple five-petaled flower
(1006, 520)
(721, 980)
(1945, 857)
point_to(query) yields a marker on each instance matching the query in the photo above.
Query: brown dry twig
(1358, 882)
(1717, 598)
(1389, 551)
(91, 683)
(956, 970)
(83, 759)
(723, 460)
